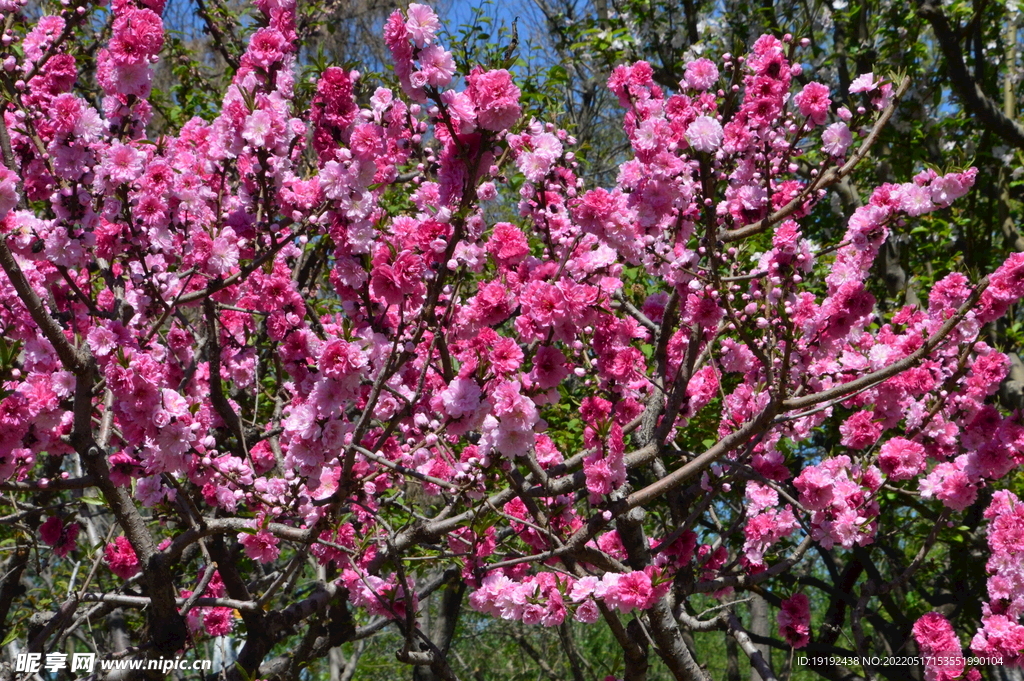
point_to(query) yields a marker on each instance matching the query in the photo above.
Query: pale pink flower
(704, 134)
(422, 24)
(863, 83)
(701, 74)
(836, 139)
(437, 66)
(122, 163)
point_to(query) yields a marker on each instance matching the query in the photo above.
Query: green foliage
(189, 93)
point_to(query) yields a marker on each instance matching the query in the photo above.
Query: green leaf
(11, 635)
(242, 672)
(93, 501)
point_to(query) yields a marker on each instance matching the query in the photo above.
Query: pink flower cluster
(901, 459)
(380, 597)
(767, 524)
(490, 101)
(604, 466)
(547, 598)
(936, 639)
(1001, 633)
(840, 496)
(213, 620)
(123, 67)
(260, 546)
(121, 558)
(794, 620)
(62, 537)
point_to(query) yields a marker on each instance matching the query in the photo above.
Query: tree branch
(747, 646)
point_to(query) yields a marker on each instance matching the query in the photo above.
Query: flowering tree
(312, 362)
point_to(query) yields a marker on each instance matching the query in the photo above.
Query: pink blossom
(511, 406)
(814, 102)
(704, 310)
(863, 83)
(548, 367)
(836, 139)
(537, 163)
(1001, 633)
(51, 530)
(949, 483)
(121, 558)
(218, 621)
(122, 163)
(267, 46)
(132, 80)
(495, 97)
(42, 36)
(63, 538)
(486, 191)
(332, 110)
(704, 134)
(701, 74)
(261, 546)
(950, 187)
(999, 636)
(461, 397)
(8, 191)
(340, 359)
(422, 24)
(396, 37)
(137, 36)
(764, 530)
(936, 638)
(259, 128)
(760, 497)
(587, 612)
(223, 254)
(860, 430)
(508, 244)
(815, 487)
(631, 590)
(600, 477)
(794, 620)
(436, 67)
(901, 459)
(915, 200)
(494, 586)
(506, 356)
(123, 468)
